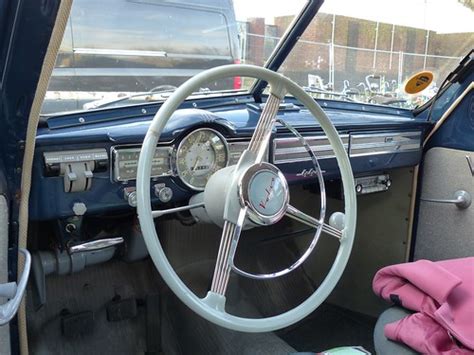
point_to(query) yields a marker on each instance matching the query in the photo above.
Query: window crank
(462, 199)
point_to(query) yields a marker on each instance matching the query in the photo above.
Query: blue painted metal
(235, 121)
(457, 131)
(26, 30)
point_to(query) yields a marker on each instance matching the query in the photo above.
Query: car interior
(201, 177)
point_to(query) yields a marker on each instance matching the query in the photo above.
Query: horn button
(264, 190)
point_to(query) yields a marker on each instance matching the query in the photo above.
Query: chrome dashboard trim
(283, 148)
(234, 154)
(235, 147)
(384, 143)
(115, 171)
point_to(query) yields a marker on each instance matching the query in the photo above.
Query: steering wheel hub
(264, 190)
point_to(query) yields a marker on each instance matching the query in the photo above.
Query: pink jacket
(443, 295)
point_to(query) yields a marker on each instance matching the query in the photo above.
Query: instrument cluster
(193, 160)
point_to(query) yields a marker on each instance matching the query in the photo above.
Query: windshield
(123, 52)
(367, 50)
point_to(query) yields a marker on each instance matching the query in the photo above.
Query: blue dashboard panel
(236, 121)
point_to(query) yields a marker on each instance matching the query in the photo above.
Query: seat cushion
(384, 346)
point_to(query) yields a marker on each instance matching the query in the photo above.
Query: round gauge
(200, 154)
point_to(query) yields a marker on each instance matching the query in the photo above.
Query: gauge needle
(196, 163)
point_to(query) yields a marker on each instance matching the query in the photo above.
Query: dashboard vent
(384, 143)
(287, 150)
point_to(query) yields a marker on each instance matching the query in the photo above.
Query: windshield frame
(287, 42)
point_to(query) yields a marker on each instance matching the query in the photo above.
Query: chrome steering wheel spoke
(310, 221)
(261, 137)
(159, 213)
(225, 256)
(294, 213)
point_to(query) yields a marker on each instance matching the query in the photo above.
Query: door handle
(462, 199)
(14, 292)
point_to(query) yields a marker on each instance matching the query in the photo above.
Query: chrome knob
(130, 195)
(79, 208)
(164, 193)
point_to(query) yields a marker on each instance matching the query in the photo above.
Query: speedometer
(199, 155)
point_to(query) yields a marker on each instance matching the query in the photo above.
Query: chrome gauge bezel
(180, 145)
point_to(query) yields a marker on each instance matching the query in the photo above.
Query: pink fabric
(443, 294)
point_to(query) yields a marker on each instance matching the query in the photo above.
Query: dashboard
(91, 158)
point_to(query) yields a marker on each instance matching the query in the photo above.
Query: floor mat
(196, 335)
(90, 290)
(329, 327)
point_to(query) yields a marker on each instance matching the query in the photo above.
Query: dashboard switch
(163, 192)
(75, 166)
(130, 195)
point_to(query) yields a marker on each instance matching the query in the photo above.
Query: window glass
(366, 50)
(122, 52)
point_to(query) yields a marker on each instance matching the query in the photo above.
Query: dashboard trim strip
(325, 150)
(387, 142)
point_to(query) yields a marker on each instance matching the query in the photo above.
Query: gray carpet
(183, 332)
(195, 335)
(91, 290)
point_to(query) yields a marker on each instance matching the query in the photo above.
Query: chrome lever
(462, 199)
(159, 213)
(95, 245)
(310, 221)
(14, 291)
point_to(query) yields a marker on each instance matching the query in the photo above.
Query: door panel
(445, 231)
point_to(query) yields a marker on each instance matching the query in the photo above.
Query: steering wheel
(255, 193)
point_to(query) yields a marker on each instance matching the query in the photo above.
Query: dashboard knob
(164, 193)
(79, 208)
(130, 195)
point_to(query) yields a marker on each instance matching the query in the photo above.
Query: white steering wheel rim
(216, 314)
